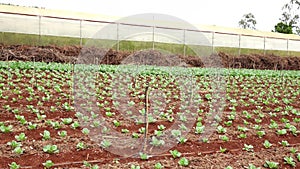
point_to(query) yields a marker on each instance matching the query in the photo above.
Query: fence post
(153, 29)
(239, 45)
(212, 43)
(264, 45)
(287, 46)
(184, 46)
(118, 41)
(40, 30)
(80, 31)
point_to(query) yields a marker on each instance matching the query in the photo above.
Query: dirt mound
(78, 54)
(153, 57)
(260, 61)
(38, 54)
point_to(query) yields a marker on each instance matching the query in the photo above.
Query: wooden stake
(146, 115)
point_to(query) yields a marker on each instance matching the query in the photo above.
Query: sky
(206, 12)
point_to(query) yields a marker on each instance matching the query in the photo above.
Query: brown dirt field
(200, 154)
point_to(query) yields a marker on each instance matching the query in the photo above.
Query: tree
(290, 17)
(248, 21)
(283, 28)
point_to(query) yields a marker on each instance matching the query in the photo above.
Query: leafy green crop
(51, 149)
(183, 162)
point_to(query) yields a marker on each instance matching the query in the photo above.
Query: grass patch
(36, 40)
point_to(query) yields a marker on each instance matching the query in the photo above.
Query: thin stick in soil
(146, 117)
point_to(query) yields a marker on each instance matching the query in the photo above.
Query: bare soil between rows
(200, 154)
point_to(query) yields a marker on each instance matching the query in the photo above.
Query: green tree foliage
(248, 21)
(289, 21)
(283, 28)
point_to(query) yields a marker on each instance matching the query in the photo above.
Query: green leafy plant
(62, 133)
(224, 138)
(95, 166)
(281, 132)
(248, 148)
(161, 127)
(135, 135)
(6, 129)
(46, 135)
(142, 130)
(14, 165)
(251, 166)
(223, 150)
(158, 166)
(267, 144)
(242, 129)
(18, 150)
(67, 121)
(261, 133)
(293, 150)
(285, 143)
(116, 123)
(271, 164)
(21, 137)
(205, 140)
(290, 161)
(109, 114)
(156, 142)
(56, 125)
(80, 146)
(32, 126)
(175, 153)
(183, 162)
(106, 143)
(228, 167)
(14, 144)
(51, 149)
(124, 130)
(176, 133)
(242, 135)
(221, 130)
(199, 129)
(144, 156)
(75, 124)
(85, 131)
(181, 140)
(87, 164)
(135, 166)
(48, 164)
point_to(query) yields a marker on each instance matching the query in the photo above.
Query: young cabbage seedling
(183, 162)
(175, 153)
(248, 147)
(158, 166)
(48, 164)
(46, 135)
(290, 161)
(271, 164)
(267, 144)
(14, 165)
(51, 149)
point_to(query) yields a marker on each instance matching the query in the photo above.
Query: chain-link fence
(17, 28)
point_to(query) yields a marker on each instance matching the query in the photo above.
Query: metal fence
(80, 30)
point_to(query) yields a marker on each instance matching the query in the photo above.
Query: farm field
(107, 116)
